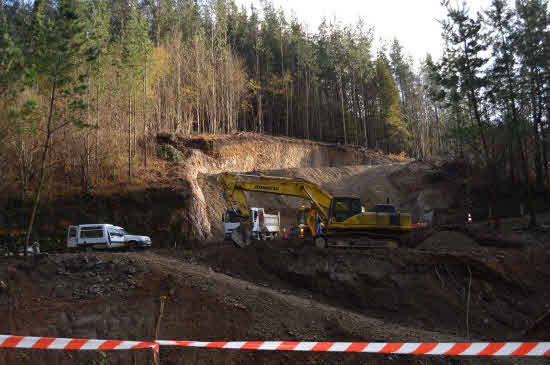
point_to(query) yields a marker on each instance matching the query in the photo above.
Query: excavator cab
(343, 208)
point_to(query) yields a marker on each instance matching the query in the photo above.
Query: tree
(136, 46)
(533, 48)
(394, 130)
(11, 77)
(58, 63)
(503, 83)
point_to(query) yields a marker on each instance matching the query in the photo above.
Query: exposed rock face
(251, 155)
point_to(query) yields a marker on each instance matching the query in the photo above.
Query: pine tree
(533, 46)
(58, 62)
(394, 130)
(136, 46)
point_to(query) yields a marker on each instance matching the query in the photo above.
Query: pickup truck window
(91, 233)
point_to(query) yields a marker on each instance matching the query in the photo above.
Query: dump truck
(264, 226)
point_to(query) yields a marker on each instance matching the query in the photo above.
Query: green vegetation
(169, 153)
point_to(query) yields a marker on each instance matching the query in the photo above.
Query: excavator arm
(236, 184)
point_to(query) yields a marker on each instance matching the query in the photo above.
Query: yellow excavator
(345, 221)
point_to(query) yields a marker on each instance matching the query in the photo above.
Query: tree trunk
(343, 115)
(145, 129)
(49, 132)
(307, 106)
(129, 139)
(97, 135)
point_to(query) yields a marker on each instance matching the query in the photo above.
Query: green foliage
(58, 51)
(103, 360)
(11, 62)
(390, 109)
(169, 153)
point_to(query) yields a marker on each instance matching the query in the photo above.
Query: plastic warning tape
(27, 342)
(453, 348)
(464, 349)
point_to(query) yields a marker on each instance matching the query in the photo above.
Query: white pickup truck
(104, 236)
(270, 222)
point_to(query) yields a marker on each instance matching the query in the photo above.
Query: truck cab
(231, 221)
(263, 226)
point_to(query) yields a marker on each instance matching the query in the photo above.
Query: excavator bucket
(241, 235)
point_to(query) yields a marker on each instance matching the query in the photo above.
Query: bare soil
(448, 239)
(46, 297)
(425, 289)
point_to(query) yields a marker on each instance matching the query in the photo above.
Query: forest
(86, 85)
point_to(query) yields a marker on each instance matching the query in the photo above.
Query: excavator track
(363, 241)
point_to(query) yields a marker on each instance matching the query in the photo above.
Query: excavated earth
(280, 291)
(497, 293)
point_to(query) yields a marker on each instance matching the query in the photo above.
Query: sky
(412, 22)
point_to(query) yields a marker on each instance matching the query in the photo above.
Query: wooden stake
(156, 360)
(468, 304)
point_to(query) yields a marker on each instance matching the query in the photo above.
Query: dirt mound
(201, 305)
(426, 290)
(448, 239)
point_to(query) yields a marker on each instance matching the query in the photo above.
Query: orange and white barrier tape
(27, 342)
(451, 349)
(463, 349)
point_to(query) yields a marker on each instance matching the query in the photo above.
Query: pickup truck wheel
(132, 245)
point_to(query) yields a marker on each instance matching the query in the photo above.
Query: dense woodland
(86, 85)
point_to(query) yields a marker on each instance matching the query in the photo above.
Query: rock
(95, 290)
(62, 322)
(85, 333)
(86, 321)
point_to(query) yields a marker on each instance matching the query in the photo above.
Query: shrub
(169, 153)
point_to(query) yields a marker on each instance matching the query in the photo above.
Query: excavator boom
(236, 184)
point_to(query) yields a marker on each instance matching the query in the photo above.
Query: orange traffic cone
(469, 218)
(284, 234)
